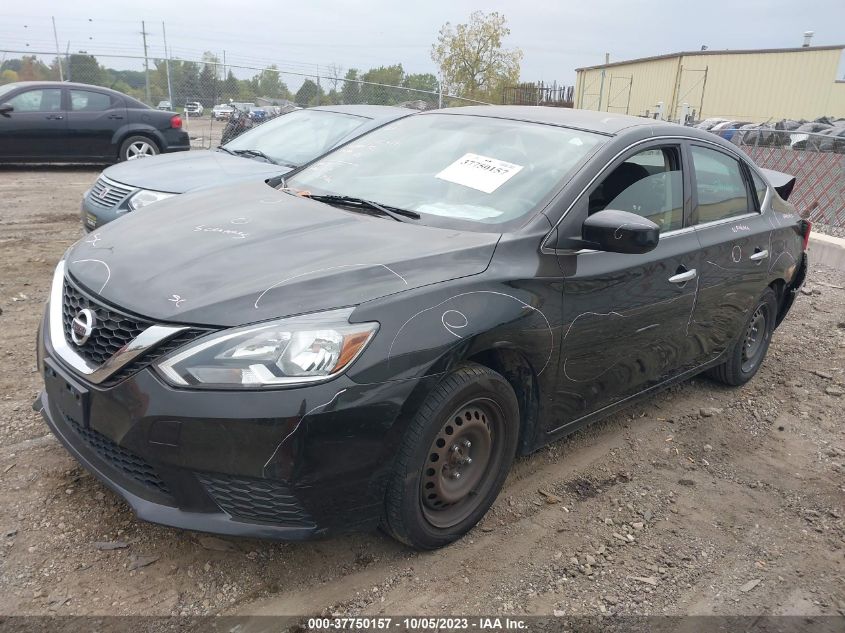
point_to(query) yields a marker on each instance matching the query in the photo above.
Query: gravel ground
(701, 500)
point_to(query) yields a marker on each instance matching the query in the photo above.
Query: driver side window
(649, 183)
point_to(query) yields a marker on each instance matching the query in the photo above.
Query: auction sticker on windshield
(479, 172)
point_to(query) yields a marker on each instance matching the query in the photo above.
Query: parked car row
(822, 135)
(358, 316)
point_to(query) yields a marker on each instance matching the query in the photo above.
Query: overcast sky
(555, 37)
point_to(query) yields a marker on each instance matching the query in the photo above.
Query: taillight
(176, 121)
(806, 227)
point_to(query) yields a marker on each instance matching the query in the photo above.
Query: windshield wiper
(228, 151)
(396, 213)
(255, 152)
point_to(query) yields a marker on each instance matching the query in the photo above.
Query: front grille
(256, 499)
(108, 194)
(112, 330)
(117, 457)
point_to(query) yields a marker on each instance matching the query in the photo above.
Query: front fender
(427, 332)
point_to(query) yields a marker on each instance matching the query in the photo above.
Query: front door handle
(684, 277)
(759, 255)
(57, 117)
(115, 116)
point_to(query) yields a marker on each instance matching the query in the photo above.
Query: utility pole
(58, 53)
(224, 64)
(166, 65)
(146, 62)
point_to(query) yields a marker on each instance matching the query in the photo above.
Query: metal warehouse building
(748, 85)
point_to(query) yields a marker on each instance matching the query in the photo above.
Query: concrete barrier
(827, 250)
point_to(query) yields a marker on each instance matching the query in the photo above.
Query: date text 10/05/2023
(420, 623)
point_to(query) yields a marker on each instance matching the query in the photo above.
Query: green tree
(387, 76)
(84, 68)
(187, 88)
(471, 58)
(30, 69)
(422, 81)
(8, 76)
(309, 94)
(208, 87)
(230, 86)
(351, 91)
(269, 84)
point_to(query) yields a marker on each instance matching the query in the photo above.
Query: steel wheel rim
(461, 463)
(139, 149)
(755, 336)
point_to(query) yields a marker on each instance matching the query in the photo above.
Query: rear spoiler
(783, 183)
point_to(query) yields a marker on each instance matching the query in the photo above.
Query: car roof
(376, 112)
(606, 123)
(588, 120)
(68, 84)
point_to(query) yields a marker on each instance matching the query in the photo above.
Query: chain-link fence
(209, 92)
(816, 160)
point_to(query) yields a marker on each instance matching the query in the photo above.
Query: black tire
(470, 402)
(749, 350)
(134, 146)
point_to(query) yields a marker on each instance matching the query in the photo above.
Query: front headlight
(146, 197)
(297, 350)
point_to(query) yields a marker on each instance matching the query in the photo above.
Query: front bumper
(286, 464)
(95, 216)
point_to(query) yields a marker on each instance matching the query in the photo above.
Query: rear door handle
(57, 117)
(759, 255)
(115, 116)
(684, 277)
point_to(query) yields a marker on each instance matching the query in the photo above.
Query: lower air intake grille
(255, 499)
(118, 457)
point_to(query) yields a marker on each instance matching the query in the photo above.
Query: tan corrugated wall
(749, 86)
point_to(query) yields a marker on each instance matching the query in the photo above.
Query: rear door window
(88, 101)
(720, 185)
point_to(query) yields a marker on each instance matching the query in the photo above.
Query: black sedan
(51, 121)
(372, 342)
(263, 152)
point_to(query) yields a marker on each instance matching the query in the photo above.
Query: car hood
(184, 171)
(246, 253)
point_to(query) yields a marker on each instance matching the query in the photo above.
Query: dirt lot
(701, 500)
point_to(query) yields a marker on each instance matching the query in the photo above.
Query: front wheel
(138, 147)
(748, 352)
(454, 458)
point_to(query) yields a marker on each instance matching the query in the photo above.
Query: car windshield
(448, 168)
(297, 137)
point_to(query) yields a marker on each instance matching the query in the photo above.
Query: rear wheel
(138, 147)
(454, 459)
(749, 351)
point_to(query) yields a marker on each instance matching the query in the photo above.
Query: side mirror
(6, 108)
(615, 232)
